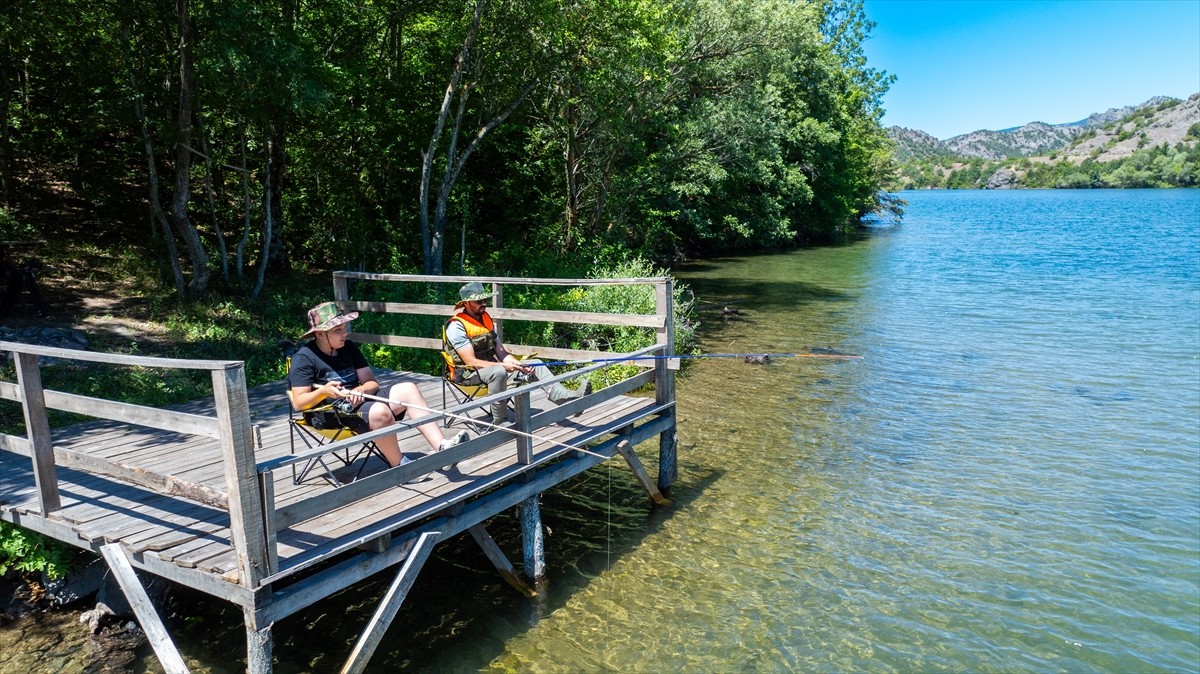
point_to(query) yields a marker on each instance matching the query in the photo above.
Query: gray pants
(498, 380)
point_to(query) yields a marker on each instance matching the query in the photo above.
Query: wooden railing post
(37, 428)
(497, 302)
(246, 521)
(664, 381)
(341, 288)
(522, 424)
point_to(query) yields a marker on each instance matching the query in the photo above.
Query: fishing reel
(342, 406)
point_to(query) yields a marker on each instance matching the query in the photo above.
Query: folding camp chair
(310, 437)
(460, 393)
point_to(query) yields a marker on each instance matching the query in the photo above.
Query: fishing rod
(367, 396)
(760, 357)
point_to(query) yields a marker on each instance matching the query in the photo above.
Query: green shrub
(30, 552)
(12, 229)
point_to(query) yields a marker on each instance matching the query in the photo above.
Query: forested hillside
(1155, 145)
(232, 140)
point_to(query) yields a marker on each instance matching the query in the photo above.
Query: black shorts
(356, 419)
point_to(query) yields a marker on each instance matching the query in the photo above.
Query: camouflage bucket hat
(327, 316)
(474, 292)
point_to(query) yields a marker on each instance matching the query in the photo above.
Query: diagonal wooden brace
(164, 648)
(390, 604)
(496, 555)
(639, 471)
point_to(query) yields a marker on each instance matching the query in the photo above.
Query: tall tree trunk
(183, 160)
(157, 216)
(277, 175)
(158, 219)
(212, 202)
(433, 233)
(431, 240)
(6, 79)
(246, 210)
(572, 160)
(268, 218)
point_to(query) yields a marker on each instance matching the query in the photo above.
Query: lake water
(1008, 481)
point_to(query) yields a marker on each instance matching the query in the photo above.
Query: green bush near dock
(24, 551)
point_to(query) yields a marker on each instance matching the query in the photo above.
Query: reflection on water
(1008, 481)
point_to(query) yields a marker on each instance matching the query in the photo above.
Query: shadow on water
(460, 613)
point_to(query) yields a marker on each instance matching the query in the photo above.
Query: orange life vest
(482, 334)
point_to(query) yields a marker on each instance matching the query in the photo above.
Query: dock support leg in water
(164, 648)
(390, 604)
(532, 543)
(496, 555)
(668, 441)
(258, 646)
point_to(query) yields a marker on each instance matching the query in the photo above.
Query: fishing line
(477, 422)
(682, 356)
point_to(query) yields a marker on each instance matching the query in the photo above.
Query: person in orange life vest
(331, 366)
(470, 340)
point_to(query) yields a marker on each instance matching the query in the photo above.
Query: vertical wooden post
(341, 289)
(522, 423)
(498, 301)
(664, 382)
(532, 543)
(259, 645)
(247, 525)
(37, 428)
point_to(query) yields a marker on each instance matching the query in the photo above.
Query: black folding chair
(303, 433)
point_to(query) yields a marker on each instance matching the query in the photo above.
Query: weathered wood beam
(639, 472)
(164, 484)
(390, 604)
(164, 648)
(37, 428)
(247, 524)
(499, 560)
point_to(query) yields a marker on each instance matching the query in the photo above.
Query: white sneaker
(458, 438)
(418, 479)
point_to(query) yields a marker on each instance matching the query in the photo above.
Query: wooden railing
(230, 426)
(255, 518)
(659, 375)
(659, 321)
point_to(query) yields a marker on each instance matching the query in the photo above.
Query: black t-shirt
(311, 367)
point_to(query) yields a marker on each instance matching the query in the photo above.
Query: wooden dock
(203, 494)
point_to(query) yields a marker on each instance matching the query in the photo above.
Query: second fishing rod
(749, 357)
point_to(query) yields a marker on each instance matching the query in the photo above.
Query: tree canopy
(239, 137)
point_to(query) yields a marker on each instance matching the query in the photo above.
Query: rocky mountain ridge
(1034, 138)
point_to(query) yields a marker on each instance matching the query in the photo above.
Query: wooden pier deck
(203, 494)
(195, 536)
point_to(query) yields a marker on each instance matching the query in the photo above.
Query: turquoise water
(1008, 481)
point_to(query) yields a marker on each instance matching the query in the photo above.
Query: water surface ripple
(1010, 480)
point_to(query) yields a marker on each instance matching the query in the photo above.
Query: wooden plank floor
(195, 536)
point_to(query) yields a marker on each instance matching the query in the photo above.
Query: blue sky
(965, 65)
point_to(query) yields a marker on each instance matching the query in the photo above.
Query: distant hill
(1155, 144)
(1032, 139)
(1167, 121)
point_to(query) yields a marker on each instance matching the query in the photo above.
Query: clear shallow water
(1009, 481)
